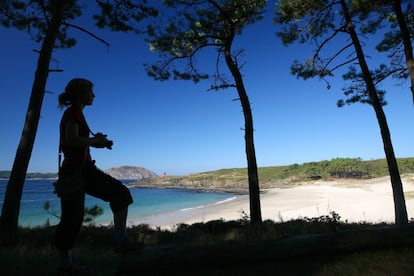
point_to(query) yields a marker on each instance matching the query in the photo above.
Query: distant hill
(6, 175)
(124, 172)
(130, 172)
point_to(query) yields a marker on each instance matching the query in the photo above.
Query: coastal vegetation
(235, 179)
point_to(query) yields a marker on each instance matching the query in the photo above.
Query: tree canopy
(189, 30)
(34, 17)
(322, 23)
(193, 27)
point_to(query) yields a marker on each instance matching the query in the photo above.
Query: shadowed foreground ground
(303, 254)
(318, 246)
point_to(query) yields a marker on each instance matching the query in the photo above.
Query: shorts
(98, 184)
(107, 188)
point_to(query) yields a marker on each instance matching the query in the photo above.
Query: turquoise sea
(147, 202)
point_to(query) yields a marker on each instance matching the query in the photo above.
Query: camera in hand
(107, 143)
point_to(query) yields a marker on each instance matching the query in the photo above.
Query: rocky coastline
(228, 183)
(177, 182)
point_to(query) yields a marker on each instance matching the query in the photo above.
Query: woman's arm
(72, 137)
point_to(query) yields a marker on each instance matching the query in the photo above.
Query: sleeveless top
(74, 156)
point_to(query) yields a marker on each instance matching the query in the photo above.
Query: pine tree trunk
(254, 190)
(11, 206)
(401, 216)
(406, 39)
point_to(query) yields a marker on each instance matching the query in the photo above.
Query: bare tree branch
(390, 73)
(344, 63)
(331, 59)
(87, 32)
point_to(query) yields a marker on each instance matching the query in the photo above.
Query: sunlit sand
(354, 200)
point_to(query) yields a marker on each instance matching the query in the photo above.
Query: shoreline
(354, 200)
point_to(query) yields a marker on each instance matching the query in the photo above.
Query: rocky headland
(229, 181)
(130, 172)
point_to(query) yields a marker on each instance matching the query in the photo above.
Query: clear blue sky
(180, 128)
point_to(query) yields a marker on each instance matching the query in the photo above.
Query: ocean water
(147, 202)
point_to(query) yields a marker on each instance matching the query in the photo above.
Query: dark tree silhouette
(397, 41)
(206, 24)
(321, 22)
(186, 30)
(11, 205)
(47, 22)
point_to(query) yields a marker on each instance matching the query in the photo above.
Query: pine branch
(87, 32)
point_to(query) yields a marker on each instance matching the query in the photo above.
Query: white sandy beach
(354, 200)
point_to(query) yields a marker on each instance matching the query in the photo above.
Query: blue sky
(178, 127)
